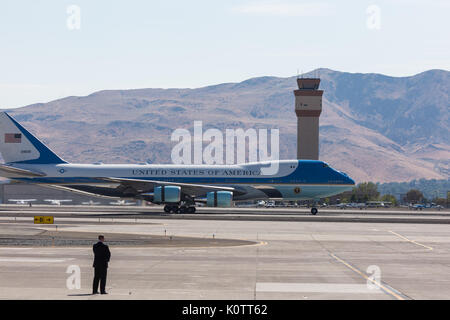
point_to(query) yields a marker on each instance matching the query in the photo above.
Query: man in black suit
(101, 259)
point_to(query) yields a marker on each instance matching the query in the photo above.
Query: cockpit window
(324, 165)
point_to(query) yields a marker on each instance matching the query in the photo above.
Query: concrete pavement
(288, 260)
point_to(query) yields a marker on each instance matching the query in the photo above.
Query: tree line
(368, 191)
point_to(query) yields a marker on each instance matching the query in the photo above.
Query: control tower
(308, 106)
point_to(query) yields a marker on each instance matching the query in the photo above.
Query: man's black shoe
(104, 293)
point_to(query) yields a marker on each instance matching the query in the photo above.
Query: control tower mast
(308, 106)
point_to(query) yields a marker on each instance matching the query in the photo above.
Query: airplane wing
(10, 172)
(186, 188)
(74, 190)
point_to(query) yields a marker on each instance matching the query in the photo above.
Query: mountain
(431, 189)
(374, 127)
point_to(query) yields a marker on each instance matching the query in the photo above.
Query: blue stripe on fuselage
(307, 172)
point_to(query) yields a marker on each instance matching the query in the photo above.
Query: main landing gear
(178, 209)
(314, 207)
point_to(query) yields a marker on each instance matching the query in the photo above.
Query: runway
(243, 214)
(166, 257)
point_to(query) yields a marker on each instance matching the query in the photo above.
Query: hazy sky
(55, 48)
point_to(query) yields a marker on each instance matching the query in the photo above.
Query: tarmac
(227, 254)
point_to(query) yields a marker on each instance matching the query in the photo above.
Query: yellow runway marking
(380, 285)
(412, 241)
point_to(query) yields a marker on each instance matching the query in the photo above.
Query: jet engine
(219, 199)
(167, 194)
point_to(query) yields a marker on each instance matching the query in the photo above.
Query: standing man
(101, 259)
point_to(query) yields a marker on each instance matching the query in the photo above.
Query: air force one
(178, 187)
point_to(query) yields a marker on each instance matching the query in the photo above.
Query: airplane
(22, 201)
(90, 203)
(122, 203)
(56, 201)
(178, 187)
(418, 206)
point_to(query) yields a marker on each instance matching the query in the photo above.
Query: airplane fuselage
(295, 179)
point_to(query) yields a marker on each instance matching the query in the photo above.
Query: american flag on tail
(13, 137)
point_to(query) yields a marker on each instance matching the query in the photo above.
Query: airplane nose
(347, 178)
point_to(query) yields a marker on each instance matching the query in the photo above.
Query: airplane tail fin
(17, 145)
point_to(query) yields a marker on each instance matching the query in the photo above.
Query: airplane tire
(191, 210)
(173, 209)
(314, 211)
(166, 209)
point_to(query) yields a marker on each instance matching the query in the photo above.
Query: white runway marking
(315, 287)
(30, 259)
